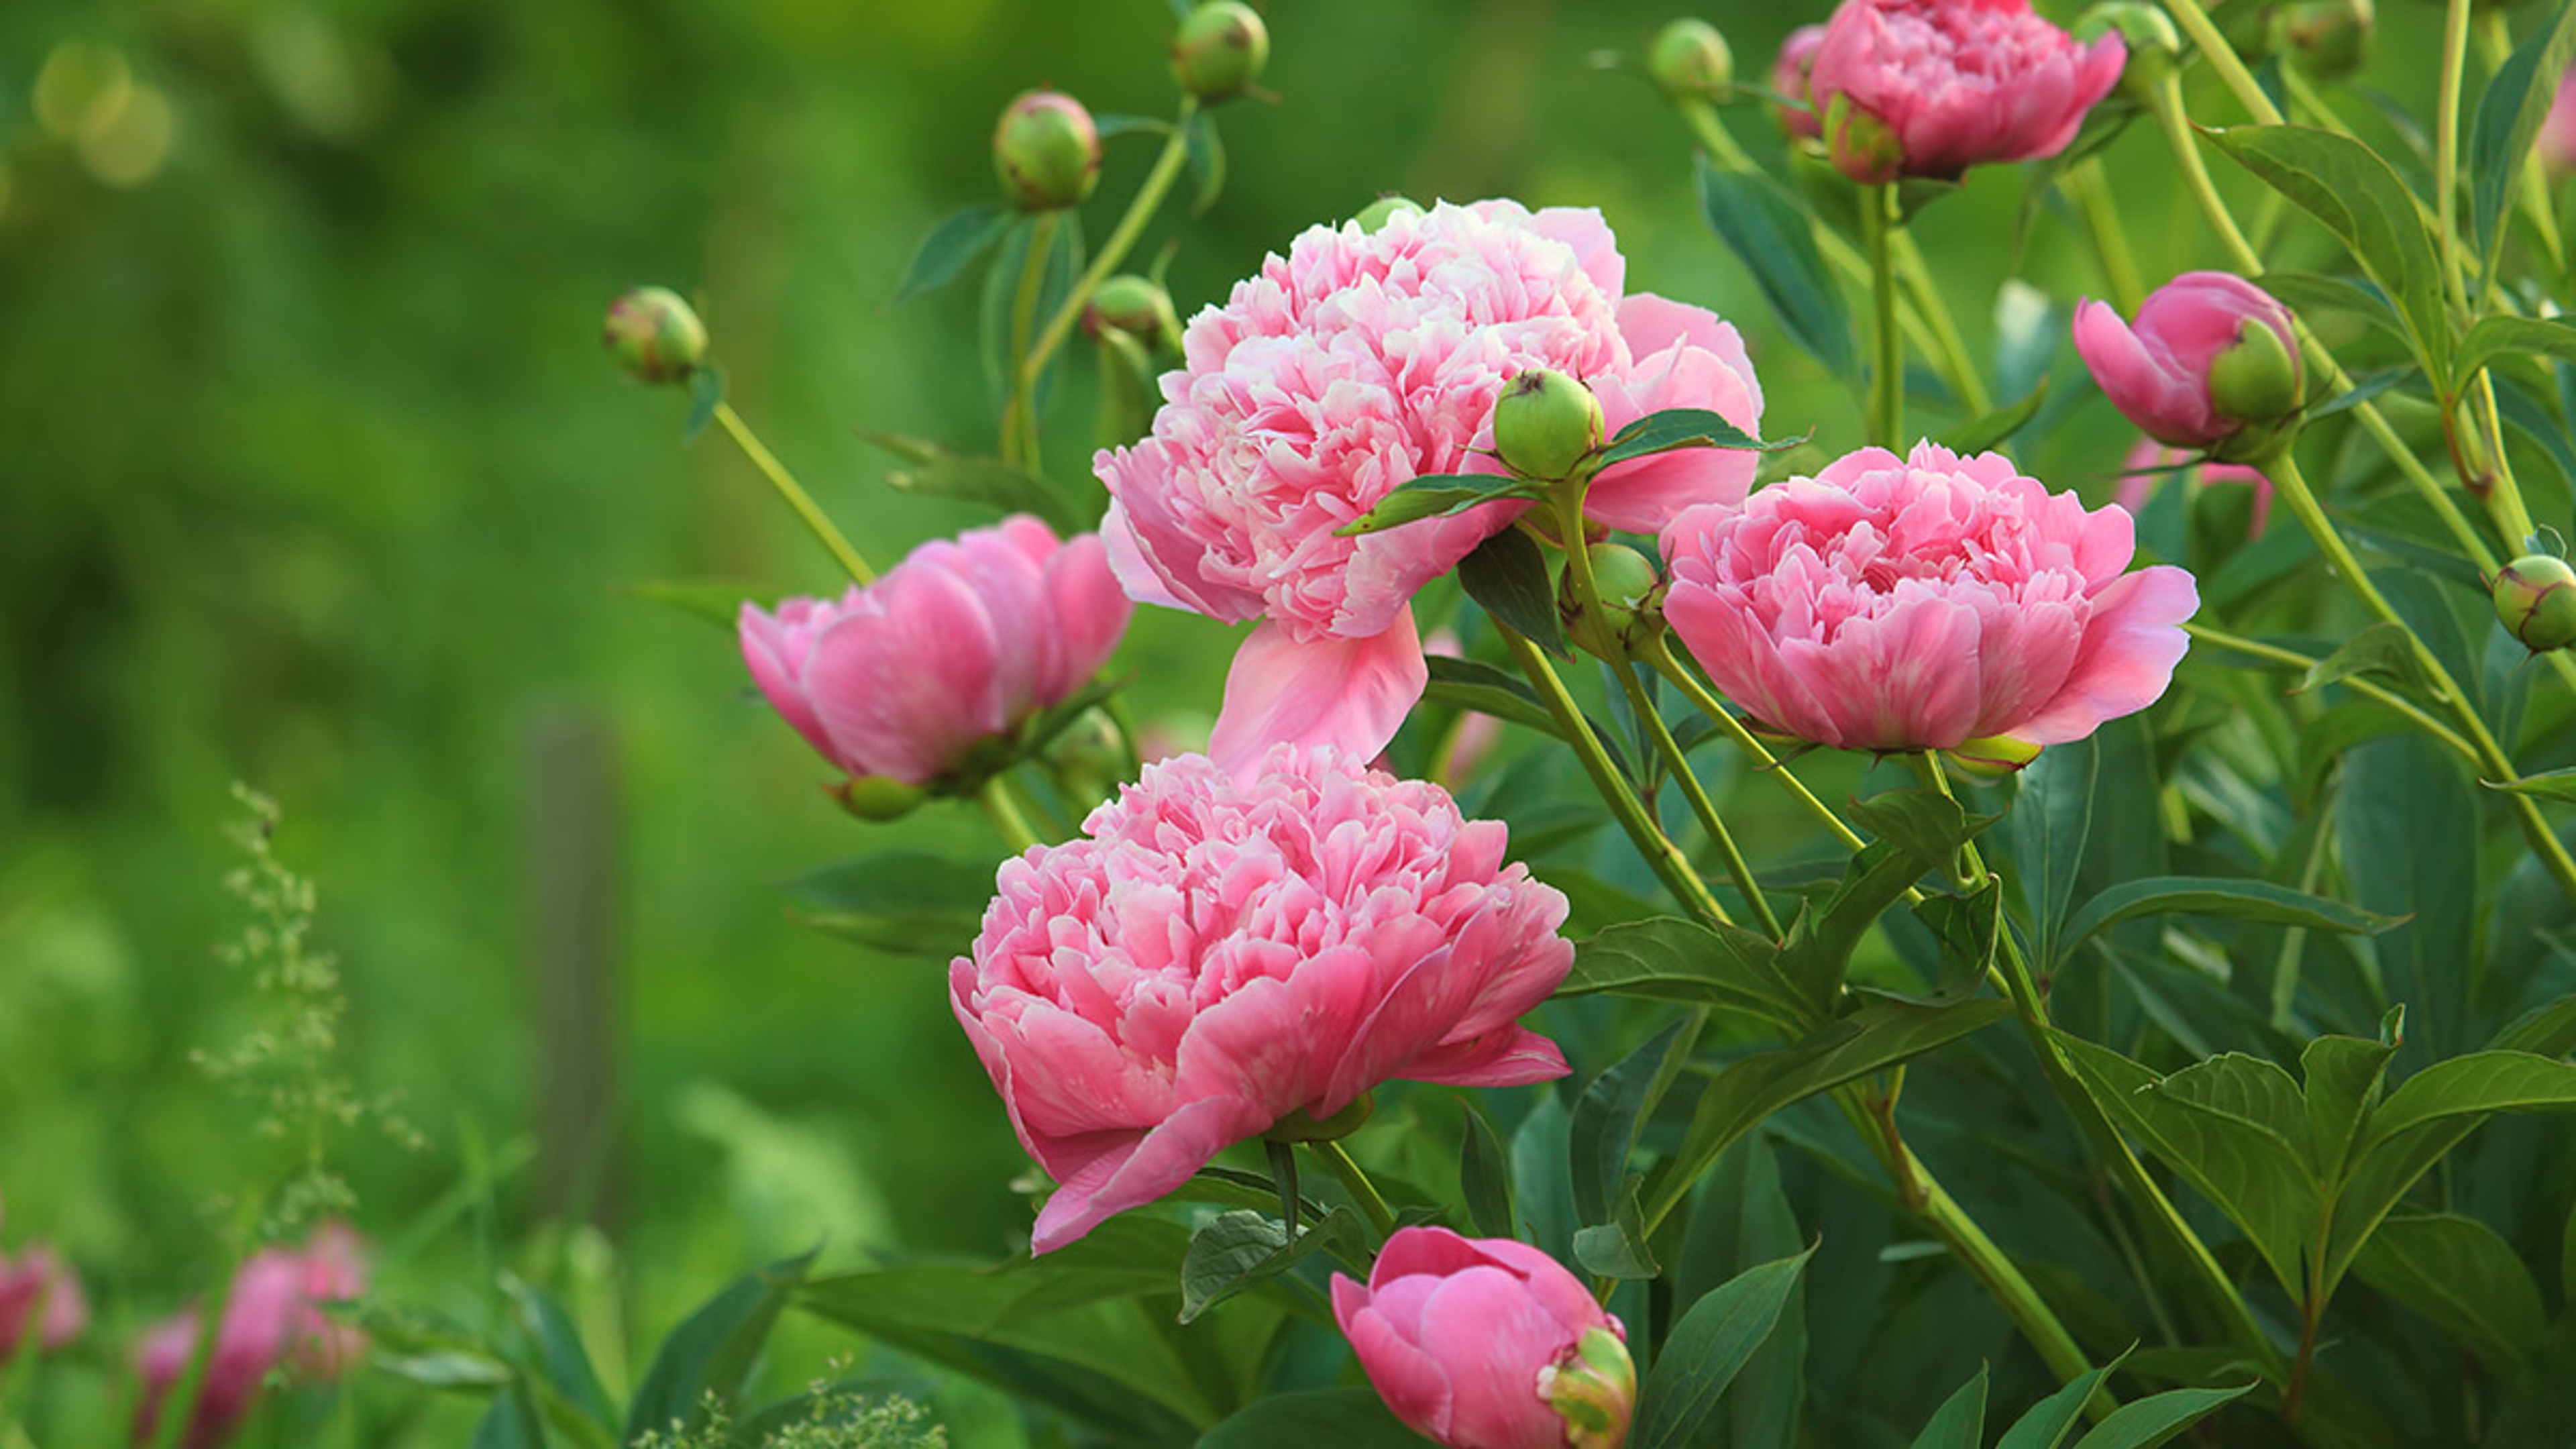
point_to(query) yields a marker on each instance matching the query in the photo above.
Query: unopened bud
(2259, 382)
(1627, 584)
(1219, 50)
(1594, 1390)
(2146, 30)
(1137, 306)
(1690, 58)
(1863, 147)
(878, 797)
(1985, 761)
(2535, 597)
(1378, 213)
(1046, 151)
(2328, 39)
(1546, 424)
(655, 335)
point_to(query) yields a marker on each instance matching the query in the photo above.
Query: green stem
(1356, 1182)
(2446, 147)
(1887, 368)
(1148, 199)
(797, 498)
(1019, 417)
(1948, 351)
(2221, 56)
(2086, 185)
(995, 798)
(1659, 655)
(2257, 649)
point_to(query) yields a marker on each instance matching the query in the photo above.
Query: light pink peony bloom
(1954, 84)
(1356, 362)
(960, 643)
(2157, 370)
(1464, 1337)
(37, 1278)
(1216, 954)
(274, 1319)
(1789, 76)
(2148, 463)
(1903, 604)
(2557, 140)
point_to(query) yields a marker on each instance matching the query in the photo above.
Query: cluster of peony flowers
(909, 677)
(1933, 87)
(1358, 361)
(273, 1319)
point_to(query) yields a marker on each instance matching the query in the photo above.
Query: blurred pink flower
(2149, 462)
(958, 644)
(1790, 75)
(1356, 362)
(274, 1319)
(1213, 955)
(1465, 1339)
(2158, 371)
(2557, 141)
(39, 1281)
(1938, 86)
(1914, 603)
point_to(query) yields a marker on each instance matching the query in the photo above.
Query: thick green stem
(1337, 1160)
(1004, 812)
(1131, 224)
(1019, 417)
(1887, 366)
(797, 498)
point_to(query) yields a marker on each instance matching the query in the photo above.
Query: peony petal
(2130, 649)
(1349, 694)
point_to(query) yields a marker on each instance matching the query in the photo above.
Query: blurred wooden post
(571, 876)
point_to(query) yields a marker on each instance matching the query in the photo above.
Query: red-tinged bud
(2535, 597)
(655, 335)
(1046, 151)
(1220, 50)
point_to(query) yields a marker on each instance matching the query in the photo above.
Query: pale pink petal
(1349, 694)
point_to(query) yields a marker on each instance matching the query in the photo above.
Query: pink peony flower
(1214, 955)
(40, 1282)
(1937, 86)
(1914, 603)
(1487, 1343)
(2557, 140)
(1790, 75)
(274, 1320)
(2169, 373)
(2148, 463)
(960, 643)
(1358, 361)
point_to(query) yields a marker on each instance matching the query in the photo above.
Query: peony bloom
(273, 1319)
(1488, 1343)
(1917, 603)
(2148, 462)
(39, 1282)
(1358, 361)
(1790, 75)
(2210, 355)
(2557, 141)
(959, 644)
(1214, 955)
(1934, 87)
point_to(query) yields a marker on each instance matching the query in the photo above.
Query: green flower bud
(1986, 761)
(1137, 306)
(2328, 39)
(2259, 381)
(1594, 1391)
(1378, 213)
(1546, 424)
(1629, 588)
(1690, 58)
(1219, 50)
(2535, 597)
(1299, 1127)
(1862, 146)
(655, 335)
(878, 797)
(2147, 31)
(1046, 151)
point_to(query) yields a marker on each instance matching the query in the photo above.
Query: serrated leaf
(1677, 1405)
(1662, 432)
(2235, 900)
(1508, 577)
(952, 245)
(1776, 240)
(2509, 116)
(2459, 1273)
(1439, 495)
(1666, 959)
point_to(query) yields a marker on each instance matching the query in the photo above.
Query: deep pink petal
(1349, 694)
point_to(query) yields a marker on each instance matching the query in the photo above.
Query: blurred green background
(312, 475)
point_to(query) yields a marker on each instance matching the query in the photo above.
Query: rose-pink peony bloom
(2149, 462)
(1475, 1341)
(274, 1318)
(959, 644)
(1790, 74)
(1358, 361)
(2557, 140)
(1937, 86)
(2159, 371)
(1214, 954)
(1914, 603)
(39, 1283)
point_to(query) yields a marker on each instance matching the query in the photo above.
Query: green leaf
(1919, 831)
(1766, 228)
(2311, 294)
(902, 902)
(1206, 156)
(2159, 1418)
(2495, 337)
(2559, 785)
(1684, 428)
(1985, 434)
(2462, 1275)
(2345, 185)
(2235, 900)
(1439, 495)
(561, 1359)
(1968, 929)
(2052, 814)
(450, 1369)
(2476, 1084)
(2508, 122)
(1471, 684)
(2053, 1418)
(991, 482)
(1342, 1418)
(1677, 1404)
(2343, 1082)
(1485, 1177)
(1927, 824)
(718, 602)
(1740, 1220)
(1960, 1422)
(706, 392)
(1607, 1114)
(1617, 1248)
(512, 1422)
(1508, 577)
(2406, 828)
(712, 1351)
(958, 240)
(2383, 651)
(1541, 1187)
(1665, 959)
(1237, 1250)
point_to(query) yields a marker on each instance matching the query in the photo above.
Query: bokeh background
(312, 475)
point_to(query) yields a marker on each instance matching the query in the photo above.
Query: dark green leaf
(2235, 900)
(1508, 577)
(2406, 827)
(1473, 685)
(1968, 929)
(2312, 294)
(1772, 234)
(2383, 651)
(2052, 813)
(1960, 1422)
(1677, 1404)
(991, 482)
(1234, 1251)
(2476, 1084)
(1342, 1418)
(561, 1360)
(2159, 1418)
(706, 393)
(512, 1422)
(1683, 428)
(2508, 121)
(1438, 495)
(2559, 785)
(1206, 161)
(712, 1351)
(1984, 434)
(2343, 1082)
(2495, 337)
(1919, 831)
(2053, 1418)
(1617, 1248)
(1607, 1114)
(1485, 1177)
(1665, 959)
(2460, 1274)
(1929, 825)
(956, 241)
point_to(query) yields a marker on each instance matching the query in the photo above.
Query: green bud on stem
(1220, 50)
(1690, 58)
(1046, 151)
(1378, 213)
(2535, 597)
(1546, 424)
(655, 335)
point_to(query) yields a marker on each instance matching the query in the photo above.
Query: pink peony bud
(1918, 603)
(1488, 1343)
(1954, 84)
(40, 1282)
(1790, 75)
(955, 647)
(2210, 356)
(2557, 140)
(1211, 957)
(275, 1318)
